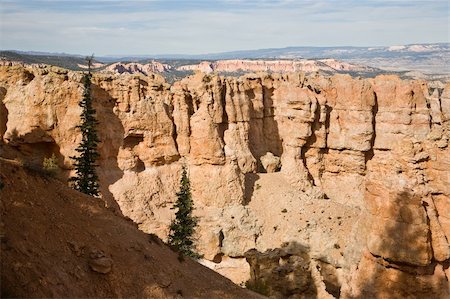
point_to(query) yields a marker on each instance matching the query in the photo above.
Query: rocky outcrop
(364, 174)
(281, 273)
(278, 66)
(137, 68)
(270, 163)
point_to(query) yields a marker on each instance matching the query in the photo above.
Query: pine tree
(183, 226)
(86, 179)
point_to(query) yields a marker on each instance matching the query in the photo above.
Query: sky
(146, 27)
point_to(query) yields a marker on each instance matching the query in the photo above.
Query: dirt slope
(53, 237)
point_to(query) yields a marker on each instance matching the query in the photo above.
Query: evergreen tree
(183, 226)
(86, 179)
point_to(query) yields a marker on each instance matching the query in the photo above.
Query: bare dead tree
(89, 60)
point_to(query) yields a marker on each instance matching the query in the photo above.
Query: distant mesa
(133, 67)
(95, 65)
(416, 48)
(417, 61)
(243, 65)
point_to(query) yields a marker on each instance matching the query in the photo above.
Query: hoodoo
(303, 184)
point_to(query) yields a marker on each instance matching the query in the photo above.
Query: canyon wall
(344, 178)
(241, 65)
(277, 66)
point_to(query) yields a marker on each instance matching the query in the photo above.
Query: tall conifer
(183, 226)
(86, 179)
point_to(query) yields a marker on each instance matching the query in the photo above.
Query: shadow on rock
(111, 133)
(282, 272)
(400, 262)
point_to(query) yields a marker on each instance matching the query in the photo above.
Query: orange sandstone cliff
(340, 185)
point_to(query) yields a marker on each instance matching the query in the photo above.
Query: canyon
(310, 185)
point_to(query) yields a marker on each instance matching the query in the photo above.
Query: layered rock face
(279, 66)
(138, 68)
(354, 172)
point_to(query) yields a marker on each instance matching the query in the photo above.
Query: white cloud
(137, 28)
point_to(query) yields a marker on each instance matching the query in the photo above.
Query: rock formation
(240, 65)
(138, 68)
(363, 187)
(279, 66)
(59, 243)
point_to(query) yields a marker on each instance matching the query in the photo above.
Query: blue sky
(207, 26)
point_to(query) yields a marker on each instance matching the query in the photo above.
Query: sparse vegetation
(182, 228)
(50, 165)
(258, 286)
(86, 179)
(37, 168)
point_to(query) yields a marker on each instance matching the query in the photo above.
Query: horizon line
(222, 52)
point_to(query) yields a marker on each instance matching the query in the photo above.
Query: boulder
(270, 162)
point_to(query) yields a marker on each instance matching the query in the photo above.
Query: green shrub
(50, 165)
